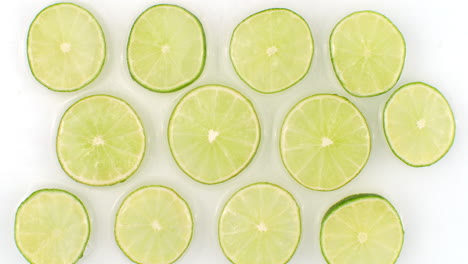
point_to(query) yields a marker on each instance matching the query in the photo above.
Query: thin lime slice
(325, 142)
(363, 228)
(418, 124)
(66, 47)
(260, 224)
(166, 48)
(100, 141)
(213, 133)
(153, 225)
(272, 50)
(52, 227)
(368, 53)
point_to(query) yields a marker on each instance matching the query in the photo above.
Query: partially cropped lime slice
(213, 133)
(260, 224)
(66, 47)
(419, 124)
(52, 227)
(368, 53)
(363, 228)
(153, 225)
(272, 50)
(166, 48)
(100, 140)
(325, 142)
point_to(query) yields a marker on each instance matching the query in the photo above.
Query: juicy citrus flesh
(368, 53)
(100, 140)
(153, 225)
(166, 48)
(363, 228)
(324, 142)
(213, 133)
(272, 50)
(52, 227)
(419, 124)
(66, 47)
(259, 224)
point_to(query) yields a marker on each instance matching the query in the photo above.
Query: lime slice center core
(362, 237)
(65, 47)
(326, 142)
(212, 135)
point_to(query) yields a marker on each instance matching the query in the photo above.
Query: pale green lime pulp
(272, 50)
(363, 229)
(52, 227)
(213, 133)
(324, 142)
(166, 48)
(260, 224)
(66, 47)
(100, 140)
(153, 225)
(419, 124)
(368, 53)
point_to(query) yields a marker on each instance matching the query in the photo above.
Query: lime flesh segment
(324, 142)
(100, 141)
(213, 133)
(418, 124)
(363, 228)
(368, 53)
(52, 227)
(272, 50)
(153, 225)
(66, 47)
(260, 224)
(166, 48)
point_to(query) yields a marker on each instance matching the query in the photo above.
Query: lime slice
(100, 141)
(52, 227)
(272, 50)
(153, 225)
(213, 133)
(324, 142)
(260, 224)
(166, 48)
(419, 124)
(66, 47)
(363, 228)
(368, 53)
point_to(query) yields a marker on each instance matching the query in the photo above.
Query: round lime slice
(153, 225)
(272, 50)
(66, 47)
(213, 133)
(325, 142)
(260, 224)
(166, 48)
(100, 141)
(52, 227)
(363, 228)
(368, 53)
(418, 124)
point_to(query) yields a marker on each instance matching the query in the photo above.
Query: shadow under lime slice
(213, 133)
(324, 142)
(368, 53)
(272, 50)
(260, 224)
(52, 227)
(66, 47)
(166, 48)
(418, 124)
(100, 140)
(153, 225)
(363, 228)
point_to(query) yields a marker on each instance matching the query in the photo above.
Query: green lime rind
(188, 82)
(101, 64)
(80, 255)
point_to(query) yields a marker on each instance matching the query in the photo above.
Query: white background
(432, 201)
